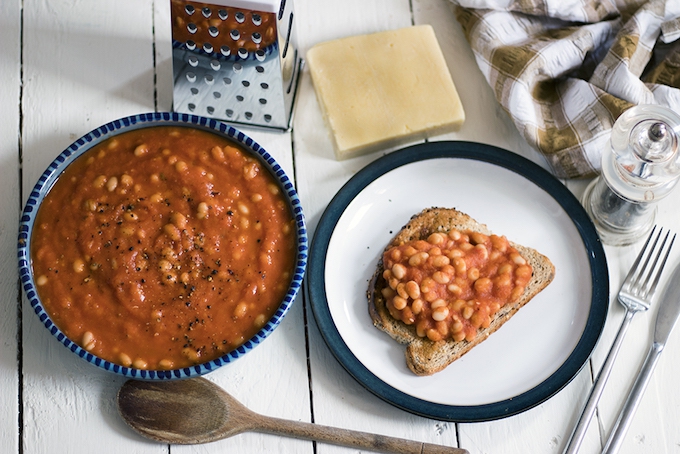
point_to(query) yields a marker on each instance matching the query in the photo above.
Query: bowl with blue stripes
(130, 123)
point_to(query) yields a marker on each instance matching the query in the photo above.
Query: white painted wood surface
(10, 53)
(69, 66)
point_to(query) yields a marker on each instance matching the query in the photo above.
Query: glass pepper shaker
(641, 167)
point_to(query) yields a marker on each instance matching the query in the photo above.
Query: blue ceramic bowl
(93, 138)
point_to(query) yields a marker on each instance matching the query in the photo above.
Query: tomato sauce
(163, 248)
(451, 285)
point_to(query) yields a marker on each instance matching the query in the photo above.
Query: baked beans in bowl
(162, 246)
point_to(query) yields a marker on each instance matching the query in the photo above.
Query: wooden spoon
(198, 411)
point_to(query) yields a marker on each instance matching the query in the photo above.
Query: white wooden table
(69, 66)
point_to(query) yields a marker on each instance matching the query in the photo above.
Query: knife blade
(669, 310)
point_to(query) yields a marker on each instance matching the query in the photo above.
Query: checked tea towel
(564, 70)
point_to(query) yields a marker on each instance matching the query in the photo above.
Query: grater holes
(193, 61)
(192, 28)
(189, 9)
(191, 106)
(207, 12)
(228, 80)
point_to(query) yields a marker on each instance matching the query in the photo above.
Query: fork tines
(643, 280)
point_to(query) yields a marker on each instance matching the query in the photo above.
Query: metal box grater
(236, 60)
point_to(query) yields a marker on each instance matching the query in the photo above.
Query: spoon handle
(350, 438)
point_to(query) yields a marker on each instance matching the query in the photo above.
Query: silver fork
(635, 295)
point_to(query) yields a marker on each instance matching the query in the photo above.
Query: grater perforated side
(236, 60)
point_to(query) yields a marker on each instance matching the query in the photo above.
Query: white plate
(534, 354)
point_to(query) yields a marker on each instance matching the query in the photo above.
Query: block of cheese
(384, 89)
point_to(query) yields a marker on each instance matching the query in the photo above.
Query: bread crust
(423, 356)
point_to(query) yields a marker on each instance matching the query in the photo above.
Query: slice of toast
(423, 356)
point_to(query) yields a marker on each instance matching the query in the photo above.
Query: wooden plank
(162, 41)
(549, 425)
(271, 379)
(10, 73)
(487, 122)
(338, 399)
(85, 64)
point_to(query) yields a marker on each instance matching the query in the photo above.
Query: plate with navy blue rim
(126, 124)
(533, 355)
